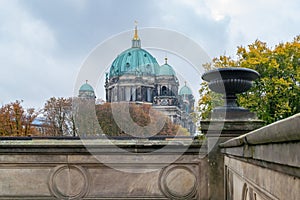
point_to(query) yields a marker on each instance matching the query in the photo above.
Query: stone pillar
(218, 131)
(127, 93)
(133, 93)
(149, 95)
(139, 97)
(159, 90)
(113, 91)
(116, 94)
(226, 122)
(109, 95)
(121, 93)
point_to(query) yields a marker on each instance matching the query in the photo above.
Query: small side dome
(166, 69)
(86, 87)
(185, 90)
(86, 91)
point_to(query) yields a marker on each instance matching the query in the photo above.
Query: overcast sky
(44, 43)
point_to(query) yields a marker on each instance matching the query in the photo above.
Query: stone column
(226, 122)
(121, 93)
(158, 90)
(149, 95)
(133, 93)
(109, 95)
(139, 96)
(113, 92)
(127, 93)
(217, 131)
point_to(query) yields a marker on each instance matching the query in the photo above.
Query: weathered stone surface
(218, 131)
(179, 182)
(267, 168)
(33, 159)
(20, 181)
(282, 131)
(55, 171)
(265, 163)
(246, 181)
(68, 181)
(276, 143)
(108, 182)
(229, 128)
(284, 153)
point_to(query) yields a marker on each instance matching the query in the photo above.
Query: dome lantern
(136, 42)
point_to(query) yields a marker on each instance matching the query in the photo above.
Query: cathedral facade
(136, 77)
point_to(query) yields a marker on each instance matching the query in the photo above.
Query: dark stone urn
(229, 82)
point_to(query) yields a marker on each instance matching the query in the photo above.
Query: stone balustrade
(102, 169)
(262, 164)
(265, 163)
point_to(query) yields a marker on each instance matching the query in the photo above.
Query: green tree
(276, 94)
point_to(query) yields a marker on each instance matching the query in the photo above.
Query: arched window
(164, 91)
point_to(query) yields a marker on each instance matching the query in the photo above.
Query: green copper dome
(166, 70)
(134, 61)
(86, 87)
(86, 91)
(185, 90)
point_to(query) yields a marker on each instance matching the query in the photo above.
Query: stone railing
(102, 169)
(262, 164)
(265, 163)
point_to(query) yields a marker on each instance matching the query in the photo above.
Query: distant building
(135, 76)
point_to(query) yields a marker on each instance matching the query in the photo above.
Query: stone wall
(92, 169)
(265, 163)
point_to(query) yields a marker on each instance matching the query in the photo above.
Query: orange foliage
(16, 121)
(140, 115)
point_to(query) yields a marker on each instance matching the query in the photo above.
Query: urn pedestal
(230, 82)
(226, 122)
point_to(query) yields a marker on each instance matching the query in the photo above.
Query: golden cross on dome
(135, 37)
(166, 58)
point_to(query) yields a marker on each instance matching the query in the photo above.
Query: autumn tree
(140, 115)
(81, 117)
(17, 121)
(208, 99)
(59, 118)
(276, 94)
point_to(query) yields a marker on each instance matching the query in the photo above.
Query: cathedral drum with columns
(136, 77)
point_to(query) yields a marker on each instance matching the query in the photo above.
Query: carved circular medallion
(68, 182)
(178, 182)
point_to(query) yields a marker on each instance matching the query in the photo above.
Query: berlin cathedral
(136, 77)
